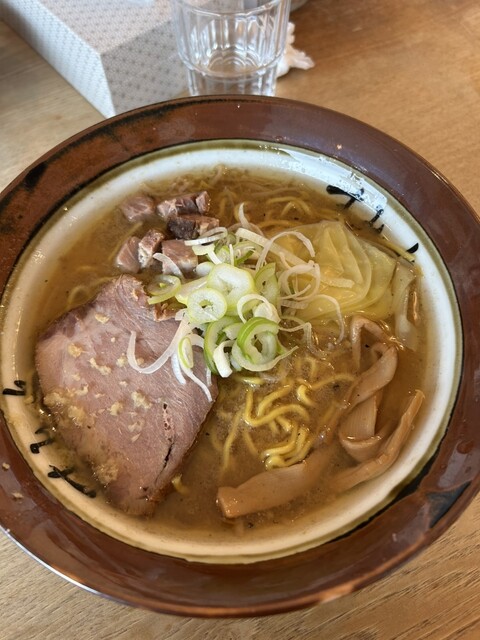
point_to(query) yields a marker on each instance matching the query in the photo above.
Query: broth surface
(226, 455)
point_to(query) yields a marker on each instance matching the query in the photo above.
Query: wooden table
(411, 69)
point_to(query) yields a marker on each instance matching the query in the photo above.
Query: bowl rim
(426, 507)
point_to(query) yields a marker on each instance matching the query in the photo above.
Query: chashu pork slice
(133, 429)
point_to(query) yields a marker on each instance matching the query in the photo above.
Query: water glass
(231, 46)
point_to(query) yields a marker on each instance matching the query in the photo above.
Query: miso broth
(229, 450)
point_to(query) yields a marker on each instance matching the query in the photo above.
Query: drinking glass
(231, 46)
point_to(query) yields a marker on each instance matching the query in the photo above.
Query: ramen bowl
(333, 551)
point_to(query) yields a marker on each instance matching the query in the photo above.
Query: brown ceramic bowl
(434, 491)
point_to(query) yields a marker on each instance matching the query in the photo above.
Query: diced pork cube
(190, 226)
(148, 245)
(188, 203)
(181, 254)
(138, 208)
(127, 258)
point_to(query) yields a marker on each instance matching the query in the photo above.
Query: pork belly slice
(133, 429)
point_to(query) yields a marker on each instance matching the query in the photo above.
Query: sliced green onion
(284, 253)
(232, 330)
(269, 245)
(185, 352)
(243, 220)
(203, 269)
(240, 361)
(212, 235)
(214, 334)
(182, 330)
(233, 312)
(163, 288)
(310, 269)
(169, 263)
(206, 305)
(292, 304)
(258, 331)
(267, 282)
(203, 385)
(189, 287)
(177, 371)
(267, 309)
(208, 250)
(202, 249)
(232, 282)
(246, 305)
(221, 360)
(243, 256)
(225, 254)
(306, 327)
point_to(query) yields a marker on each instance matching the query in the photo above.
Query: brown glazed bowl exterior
(425, 508)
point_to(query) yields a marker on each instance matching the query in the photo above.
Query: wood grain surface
(411, 69)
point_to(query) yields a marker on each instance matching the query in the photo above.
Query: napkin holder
(119, 54)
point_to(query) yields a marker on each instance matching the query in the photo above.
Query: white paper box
(119, 54)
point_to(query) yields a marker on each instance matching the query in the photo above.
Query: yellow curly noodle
(81, 293)
(278, 425)
(352, 271)
(294, 208)
(274, 419)
(273, 225)
(231, 437)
